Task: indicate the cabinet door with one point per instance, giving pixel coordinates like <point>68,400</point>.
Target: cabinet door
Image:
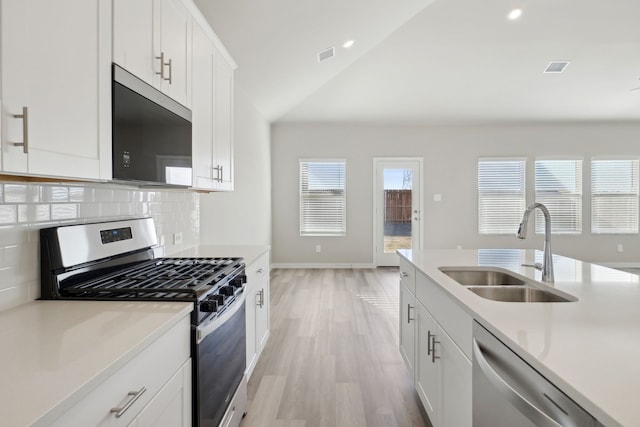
<point>250,316</point>
<point>175,44</point>
<point>171,407</point>
<point>133,39</point>
<point>56,62</point>
<point>407,328</point>
<point>426,363</point>
<point>223,156</point>
<point>454,383</point>
<point>262,311</point>
<point>203,62</point>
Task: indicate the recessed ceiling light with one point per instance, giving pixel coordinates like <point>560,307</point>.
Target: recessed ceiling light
<point>514,14</point>
<point>348,44</point>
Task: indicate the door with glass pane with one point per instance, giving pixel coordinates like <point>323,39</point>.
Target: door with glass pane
<point>397,207</point>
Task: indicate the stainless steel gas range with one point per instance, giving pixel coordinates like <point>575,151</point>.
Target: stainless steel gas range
<point>115,261</point>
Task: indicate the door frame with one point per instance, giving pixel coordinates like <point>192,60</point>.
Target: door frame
<point>377,161</point>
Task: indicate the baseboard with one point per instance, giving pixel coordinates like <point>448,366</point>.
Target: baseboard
<point>321,265</point>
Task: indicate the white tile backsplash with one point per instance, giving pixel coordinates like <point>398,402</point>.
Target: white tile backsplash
<point>26,208</point>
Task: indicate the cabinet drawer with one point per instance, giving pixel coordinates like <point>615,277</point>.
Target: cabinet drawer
<point>453,319</point>
<point>149,370</point>
<point>258,271</point>
<point>408,274</point>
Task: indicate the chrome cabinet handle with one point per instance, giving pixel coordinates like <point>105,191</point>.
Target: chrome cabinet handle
<point>261,297</point>
<point>259,271</point>
<point>429,343</point>
<point>433,348</point>
<point>162,65</point>
<point>221,173</point>
<point>25,130</point>
<point>409,318</point>
<point>218,169</point>
<point>135,395</point>
<point>403,274</point>
<point>170,71</point>
<point>527,408</point>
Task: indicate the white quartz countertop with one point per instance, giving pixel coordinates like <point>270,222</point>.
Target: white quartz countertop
<point>55,352</point>
<point>589,348</point>
<point>249,253</point>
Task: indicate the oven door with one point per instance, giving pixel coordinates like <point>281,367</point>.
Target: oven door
<point>220,359</point>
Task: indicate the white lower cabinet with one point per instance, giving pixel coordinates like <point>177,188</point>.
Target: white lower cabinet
<point>443,374</point>
<point>257,310</point>
<point>432,347</point>
<point>426,369</point>
<point>152,389</point>
<point>407,327</point>
<point>171,407</point>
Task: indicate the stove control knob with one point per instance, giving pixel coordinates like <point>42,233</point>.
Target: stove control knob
<point>238,281</point>
<point>227,290</point>
<point>219,299</point>
<point>209,306</point>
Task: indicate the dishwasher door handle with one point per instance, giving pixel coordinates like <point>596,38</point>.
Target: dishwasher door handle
<point>528,409</point>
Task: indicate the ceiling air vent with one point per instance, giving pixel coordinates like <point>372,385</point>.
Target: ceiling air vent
<point>326,54</point>
<point>556,66</point>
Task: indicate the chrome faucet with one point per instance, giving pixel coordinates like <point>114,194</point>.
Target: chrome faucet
<point>547,264</point>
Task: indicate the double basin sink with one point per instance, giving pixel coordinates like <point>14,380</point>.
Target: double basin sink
<point>500,285</point>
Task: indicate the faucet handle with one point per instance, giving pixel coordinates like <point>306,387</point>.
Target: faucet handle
<point>537,265</point>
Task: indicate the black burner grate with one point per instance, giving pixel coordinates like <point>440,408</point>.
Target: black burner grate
<point>160,278</point>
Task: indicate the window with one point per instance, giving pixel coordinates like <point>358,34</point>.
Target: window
<point>322,198</point>
<point>614,196</point>
<point>559,188</point>
<point>501,195</point>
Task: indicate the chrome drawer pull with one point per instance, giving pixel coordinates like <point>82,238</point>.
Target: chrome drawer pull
<point>433,349</point>
<point>25,130</point>
<point>403,274</point>
<point>135,395</point>
<point>409,318</point>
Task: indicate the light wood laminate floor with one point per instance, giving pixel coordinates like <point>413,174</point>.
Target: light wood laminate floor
<point>332,358</point>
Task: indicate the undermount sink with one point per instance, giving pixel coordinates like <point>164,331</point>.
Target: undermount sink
<point>500,285</point>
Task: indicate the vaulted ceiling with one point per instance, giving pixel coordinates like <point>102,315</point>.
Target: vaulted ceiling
<point>434,61</point>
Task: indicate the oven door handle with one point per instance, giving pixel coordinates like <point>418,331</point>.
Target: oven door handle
<point>202,332</point>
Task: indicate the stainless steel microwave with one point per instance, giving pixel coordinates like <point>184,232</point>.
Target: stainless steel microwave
<point>151,134</point>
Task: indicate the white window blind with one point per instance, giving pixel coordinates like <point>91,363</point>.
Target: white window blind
<point>614,196</point>
<point>322,198</point>
<point>559,188</point>
<point>501,195</point>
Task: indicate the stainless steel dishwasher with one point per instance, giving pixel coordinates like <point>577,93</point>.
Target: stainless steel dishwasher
<point>508,392</point>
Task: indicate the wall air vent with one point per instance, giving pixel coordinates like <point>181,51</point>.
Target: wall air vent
<point>326,54</point>
<point>556,66</point>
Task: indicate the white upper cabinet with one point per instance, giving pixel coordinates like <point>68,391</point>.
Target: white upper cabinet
<point>223,154</point>
<point>56,92</point>
<point>152,40</point>
<point>203,62</point>
<point>212,108</point>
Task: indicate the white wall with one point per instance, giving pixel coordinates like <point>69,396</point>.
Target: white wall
<point>450,168</point>
<point>243,217</point>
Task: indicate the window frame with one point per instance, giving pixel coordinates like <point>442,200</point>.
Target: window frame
<point>485,227</point>
<point>578,195</point>
<point>305,196</point>
<point>602,194</point>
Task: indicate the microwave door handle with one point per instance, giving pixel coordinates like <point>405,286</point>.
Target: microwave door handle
<point>528,409</point>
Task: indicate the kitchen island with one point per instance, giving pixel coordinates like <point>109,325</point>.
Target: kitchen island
<point>588,348</point>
